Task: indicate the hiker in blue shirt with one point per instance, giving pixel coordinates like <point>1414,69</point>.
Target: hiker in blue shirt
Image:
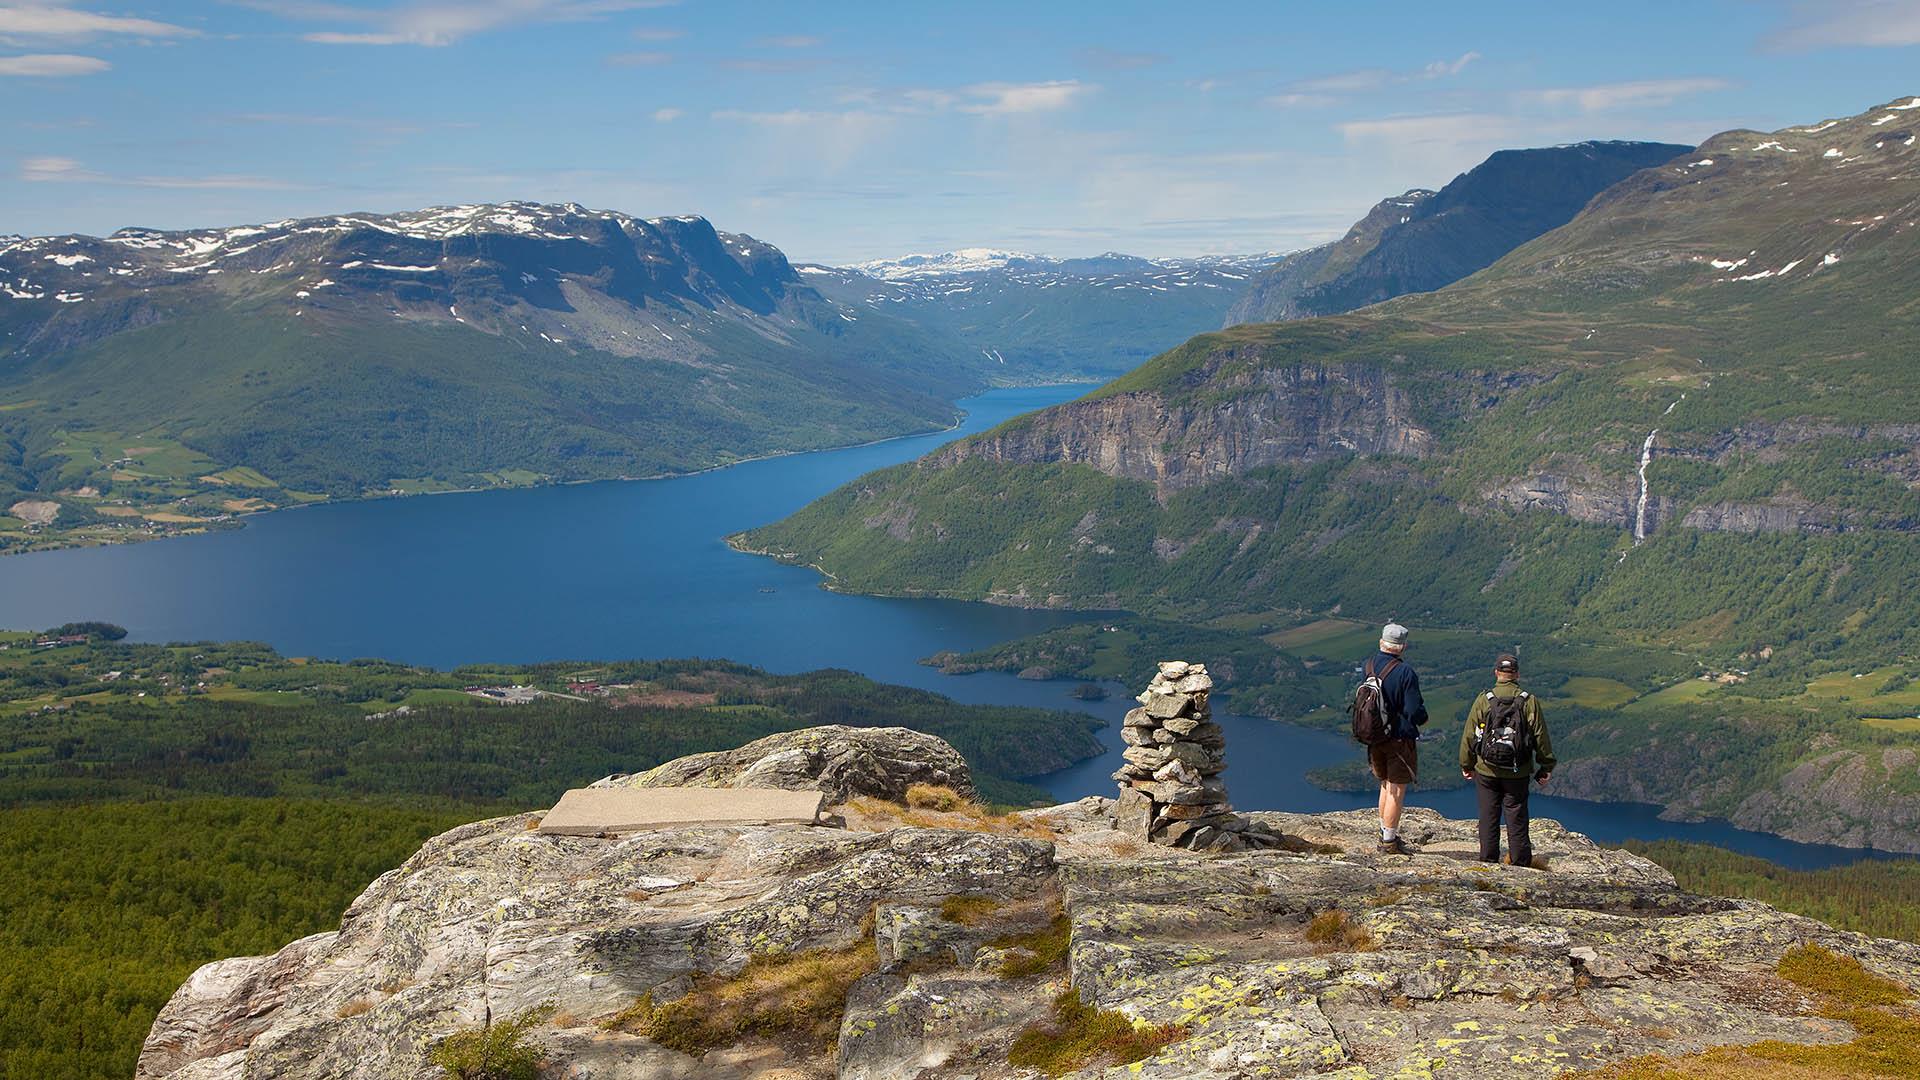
<point>1396,762</point>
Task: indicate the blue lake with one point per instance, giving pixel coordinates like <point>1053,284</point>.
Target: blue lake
<point>640,569</point>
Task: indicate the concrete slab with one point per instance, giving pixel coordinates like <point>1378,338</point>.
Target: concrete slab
<point>592,811</point>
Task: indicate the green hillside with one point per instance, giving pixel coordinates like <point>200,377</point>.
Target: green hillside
<point>337,358</point>
<point>1471,458</point>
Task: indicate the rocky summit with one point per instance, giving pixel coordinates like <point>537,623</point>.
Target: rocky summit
<point>956,930</point>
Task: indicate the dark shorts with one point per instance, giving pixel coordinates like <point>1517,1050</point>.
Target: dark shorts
<point>1396,761</point>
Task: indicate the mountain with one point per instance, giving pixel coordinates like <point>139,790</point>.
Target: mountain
<point>1683,421</point>
<point>1037,318</point>
<point>938,944</point>
<point>1425,240</point>
<point>458,346</point>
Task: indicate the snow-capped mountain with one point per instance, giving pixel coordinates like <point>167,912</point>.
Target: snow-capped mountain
<point>1088,317</point>
<point>351,352</point>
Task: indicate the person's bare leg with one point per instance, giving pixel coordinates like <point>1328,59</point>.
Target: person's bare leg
<point>1393,799</point>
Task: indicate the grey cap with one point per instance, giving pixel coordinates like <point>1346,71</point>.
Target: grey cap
<point>1394,636</point>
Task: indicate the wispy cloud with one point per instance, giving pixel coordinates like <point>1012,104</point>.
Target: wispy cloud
<point>791,41</point>
<point>1299,100</point>
<point>1872,23</point>
<point>1004,99</point>
<point>52,65</point>
<point>980,99</point>
<point>1446,129</point>
<point>1642,93</point>
<point>830,139</point>
<point>667,115</point>
<point>437,23</point>
<point>64,170</point>
<point>653,33</point>
<point>62,21</point>
<point>1326,89</point>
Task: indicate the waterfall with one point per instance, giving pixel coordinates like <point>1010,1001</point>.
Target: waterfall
<point>1640,513</point>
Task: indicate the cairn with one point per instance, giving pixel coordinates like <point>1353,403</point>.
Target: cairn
<point>1170,787</point>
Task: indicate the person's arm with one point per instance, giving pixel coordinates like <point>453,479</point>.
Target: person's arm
<point>1466,736</point>
<point>1543,759</point>
<point>1416,706</point>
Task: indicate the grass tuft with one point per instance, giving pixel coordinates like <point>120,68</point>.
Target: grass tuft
<point>969,816</point>
<point>969,909</point>
<point>1081,1035</point>
<point>1841,978</point>
<point>801,995</point>
<point>1886,1039</point>
<point>1037,952</point>
<point>1335,930</point>
<point>934,797</point>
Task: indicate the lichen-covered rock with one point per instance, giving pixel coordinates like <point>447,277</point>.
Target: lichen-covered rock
<point>492,919</point>
<point>1329,959</point>
<point>841,761</point>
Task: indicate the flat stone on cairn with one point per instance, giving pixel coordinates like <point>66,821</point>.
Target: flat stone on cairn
<point>1170,787</point>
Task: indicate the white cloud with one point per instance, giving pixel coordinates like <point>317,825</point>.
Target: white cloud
<point>1442,68</point>
<point>980,99</point>
<point>1444,130</point>
<point>1625,95</point>
<point>1002,99</point>
<point>436,23</point>
<point>667,115</point>
<point>791,41</point>
<point>1873,23</point>
<point>59,20</point>
<point>65,170</point>
<point>647,33</point>
<point>52,65</point>
<point>1363,80</point>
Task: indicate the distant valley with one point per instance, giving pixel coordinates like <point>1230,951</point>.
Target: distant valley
<point>152,382</point>
<point>1037,317</point>
<point>1681,421</point>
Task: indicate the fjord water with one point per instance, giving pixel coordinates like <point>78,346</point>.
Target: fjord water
<point>640,569</point>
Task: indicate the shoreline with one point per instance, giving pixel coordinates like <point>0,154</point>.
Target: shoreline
<point>238,520</point>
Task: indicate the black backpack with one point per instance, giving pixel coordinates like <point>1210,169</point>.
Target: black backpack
<point>1504,739</point>
<point>1372,721</point>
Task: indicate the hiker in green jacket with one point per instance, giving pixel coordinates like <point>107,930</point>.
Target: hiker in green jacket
<point>1505,744</point>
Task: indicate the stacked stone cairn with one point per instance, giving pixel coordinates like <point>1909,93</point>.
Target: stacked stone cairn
<point>1170,787</point>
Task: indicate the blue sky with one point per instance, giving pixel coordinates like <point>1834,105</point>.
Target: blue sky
<point>848,131</point>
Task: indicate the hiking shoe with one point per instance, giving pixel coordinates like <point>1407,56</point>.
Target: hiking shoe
<point>1394,846</point>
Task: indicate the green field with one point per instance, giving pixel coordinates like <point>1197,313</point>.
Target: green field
<point>1595,692</point>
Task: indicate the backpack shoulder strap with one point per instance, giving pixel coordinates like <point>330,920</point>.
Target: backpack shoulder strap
<point>1392,662</point>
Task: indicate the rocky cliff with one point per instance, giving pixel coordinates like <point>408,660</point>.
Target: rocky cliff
<point>1327,959</point>
<point>1253,415</point>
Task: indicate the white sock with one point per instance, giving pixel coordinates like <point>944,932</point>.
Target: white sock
<point>1389,835</point>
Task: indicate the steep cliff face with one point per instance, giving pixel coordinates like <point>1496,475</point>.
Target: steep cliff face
<point>1254,414</point>
<point>1488,971</point>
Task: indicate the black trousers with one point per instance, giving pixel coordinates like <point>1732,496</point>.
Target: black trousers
<point>1508,799</point>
